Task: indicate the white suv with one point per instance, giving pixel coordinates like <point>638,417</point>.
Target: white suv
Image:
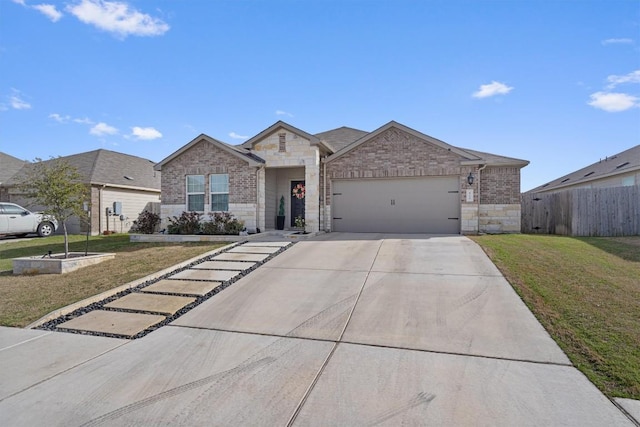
<point>18,221</point>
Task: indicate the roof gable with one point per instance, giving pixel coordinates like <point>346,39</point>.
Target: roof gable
<point>466,156</point>
<point>240,153</point>
<point>313,140</point>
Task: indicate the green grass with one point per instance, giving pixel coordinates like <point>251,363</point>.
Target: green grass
<point>586,293</point>
<point>25,299</point>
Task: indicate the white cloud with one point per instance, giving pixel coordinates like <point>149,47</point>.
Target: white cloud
<point>84,121</point>
<point>103,129</point>
<point>58,118</point>
<point>617,41</point>
<point>283,113</point>
<point>17,103</point>
<point>118,18</point>
<point>613,102</point>
<point>145,133</point>
<point>19,2</point>
<point>633,77</point>
<point>49,11</point>
<point>492,89</point>
<point>236,136</point>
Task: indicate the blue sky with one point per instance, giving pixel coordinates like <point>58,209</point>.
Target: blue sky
<point>553,82</point>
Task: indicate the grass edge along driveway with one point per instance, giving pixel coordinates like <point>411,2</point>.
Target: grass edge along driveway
<point>25,299</point>
<point>586,293</point>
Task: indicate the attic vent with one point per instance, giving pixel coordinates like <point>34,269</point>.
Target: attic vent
<point>564,180</point>
<point>282,142</point>
<point>128,178</point>
<point>546,185</point>
<point>621,165</point>
<point>589,174</point>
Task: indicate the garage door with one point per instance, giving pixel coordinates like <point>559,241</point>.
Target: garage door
<point>402,205</point>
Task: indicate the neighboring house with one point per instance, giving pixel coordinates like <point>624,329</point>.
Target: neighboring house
<point>9,166</point>
<point>111,177</point>
<point>619,170</point>
<point>393,179</point>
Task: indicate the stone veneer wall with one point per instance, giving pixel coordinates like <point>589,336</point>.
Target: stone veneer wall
<point>298,153</point>
<point>205,158</point>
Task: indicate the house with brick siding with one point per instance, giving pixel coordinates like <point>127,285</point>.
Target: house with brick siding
<point>392,180</point>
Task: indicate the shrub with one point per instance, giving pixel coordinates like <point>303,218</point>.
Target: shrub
<point>222,223</point>
<point>186,223</point>
<point>147,223</point>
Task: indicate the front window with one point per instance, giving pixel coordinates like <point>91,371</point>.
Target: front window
<point>219,185</point>
<point>195,193</point>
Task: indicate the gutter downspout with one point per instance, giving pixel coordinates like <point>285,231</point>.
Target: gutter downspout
<point>479,170</point>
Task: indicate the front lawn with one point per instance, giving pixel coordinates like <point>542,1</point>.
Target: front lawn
<point>25,299</point>
<point>586,293</point>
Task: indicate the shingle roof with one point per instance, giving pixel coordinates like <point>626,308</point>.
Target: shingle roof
<point>341,137</point>
<point>626,161</point>
<point>495,160</point>
<point>112,168</point>
<point>9,166</point>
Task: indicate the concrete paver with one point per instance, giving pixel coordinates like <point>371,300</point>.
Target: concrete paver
<point>230,256</point>
<point>113,322</point>
<point>473,315</point>
<point>244,249</point>
<point>177,376</point>
<point>365,385</point>
<point>41,355</point>
<point>301,303</point>
<point>213,275</point>
<point>188,287</point>
<point>275,243</point>
<point>224,265</point>
<point>164,304</point>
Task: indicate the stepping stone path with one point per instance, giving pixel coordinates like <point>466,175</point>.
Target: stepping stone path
<point>133,314</point>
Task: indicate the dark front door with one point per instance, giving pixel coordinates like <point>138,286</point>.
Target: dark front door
<point>297,201</point>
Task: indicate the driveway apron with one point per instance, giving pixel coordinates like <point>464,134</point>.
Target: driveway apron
<point>343,329</point>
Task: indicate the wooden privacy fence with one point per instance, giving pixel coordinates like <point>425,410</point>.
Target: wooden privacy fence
<point>611,211</point>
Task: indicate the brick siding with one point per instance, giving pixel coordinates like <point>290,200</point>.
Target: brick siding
<point>393,153</point>
<point>205,159</point>
<point>500,185</point>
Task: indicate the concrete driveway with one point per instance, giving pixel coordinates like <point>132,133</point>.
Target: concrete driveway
<point>345,329</point>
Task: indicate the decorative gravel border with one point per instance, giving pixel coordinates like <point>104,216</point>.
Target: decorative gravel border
<point>52,325</point>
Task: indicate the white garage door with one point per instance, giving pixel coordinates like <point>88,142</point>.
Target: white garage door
<point>399,205</point>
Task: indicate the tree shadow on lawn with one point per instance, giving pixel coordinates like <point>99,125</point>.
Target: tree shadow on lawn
<point>627,248</point>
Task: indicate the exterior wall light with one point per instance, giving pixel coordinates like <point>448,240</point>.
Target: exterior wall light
<point>470,178</point>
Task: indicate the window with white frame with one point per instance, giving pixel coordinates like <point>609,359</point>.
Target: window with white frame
<point>219,187</point>
<point>195,193</point>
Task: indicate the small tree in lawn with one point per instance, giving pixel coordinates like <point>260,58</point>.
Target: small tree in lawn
<point>57,186</point>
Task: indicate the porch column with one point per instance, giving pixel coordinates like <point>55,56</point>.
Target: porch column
<point>312,197</point>
<point>260,206</point>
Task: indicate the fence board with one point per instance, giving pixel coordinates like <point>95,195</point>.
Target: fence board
<point>613,211</point>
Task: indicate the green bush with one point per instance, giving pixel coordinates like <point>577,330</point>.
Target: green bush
<point>147,223</point>
<point>218,223</point>
<point>222,223</point>
<point>186,223</point>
